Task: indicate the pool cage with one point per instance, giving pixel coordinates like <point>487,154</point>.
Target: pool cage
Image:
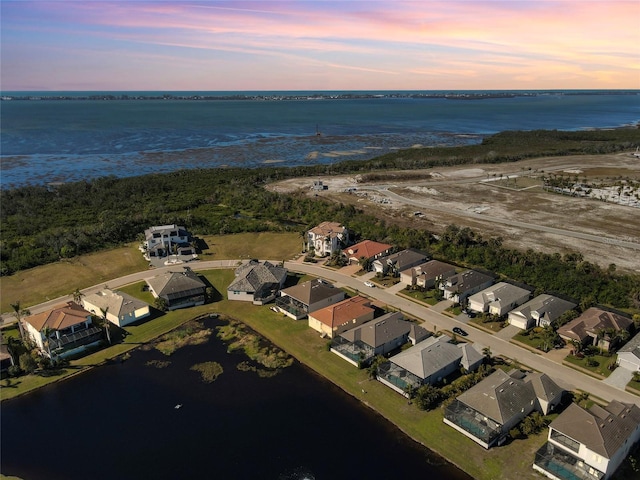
<point>398,377</point>
<point>473,422</point>
<point>358,352</point>
<point>561,464</point>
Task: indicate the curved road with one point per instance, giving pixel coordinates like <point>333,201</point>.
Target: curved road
<point>565,376</point>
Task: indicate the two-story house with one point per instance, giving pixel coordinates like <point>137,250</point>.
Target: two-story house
<point>460,286</point>
<point>326,238</point>
<point>498,299</point>
<point>539,312</point>
<point>589,444</point>
<point>159,241</point>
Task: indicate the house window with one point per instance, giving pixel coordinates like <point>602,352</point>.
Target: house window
<point>562,439</point>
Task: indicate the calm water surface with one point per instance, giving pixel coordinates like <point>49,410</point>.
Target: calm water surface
<point>119,422</point>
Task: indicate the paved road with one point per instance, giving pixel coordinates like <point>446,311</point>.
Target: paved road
<point>431,318</point>
<point>425,205</point>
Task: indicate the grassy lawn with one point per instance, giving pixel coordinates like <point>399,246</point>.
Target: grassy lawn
<point>39,284</point>
<point>599,370</point>
<point>427,296</point>
<point>491,326</point>
<point>510,461</point>
<point>385,281</point>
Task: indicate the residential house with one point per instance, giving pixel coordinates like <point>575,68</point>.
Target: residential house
<point>498,299</point>
<point>541,311</point>
<point>487,411</point>
<point>362,344</point>
<point>426,274</point>
<point>257,282</point>
<point>460,286</point>
<point>595,327</point>
<point>298,301</point>
<point>629,354</point>
<point>121,309</point>
<point>335,319</point>
<point>63,330</point>
<point>326,238</point>
<point>368,250</point>
<point>178,289</point>
<point>397,262</point>
<point>589,444</point>
<point>159,241</point>
<point>428,362</point>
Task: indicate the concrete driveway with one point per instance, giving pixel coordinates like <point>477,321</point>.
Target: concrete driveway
<point>619,378</point>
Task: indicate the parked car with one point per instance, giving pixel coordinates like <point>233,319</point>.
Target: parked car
<point>369,284</point>
<point>460,331</point>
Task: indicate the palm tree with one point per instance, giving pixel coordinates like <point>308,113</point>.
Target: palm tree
<point>106,322</point>
<point>18,313</point>
<point>46,333</point>
<point>77,296</point>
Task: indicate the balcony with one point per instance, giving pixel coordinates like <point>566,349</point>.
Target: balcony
<point>75,340</point>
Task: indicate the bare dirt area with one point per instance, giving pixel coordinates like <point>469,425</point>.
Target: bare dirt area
<point>505,200</point>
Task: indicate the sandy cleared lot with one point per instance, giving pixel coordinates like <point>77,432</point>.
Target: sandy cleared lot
<point>505,200</point>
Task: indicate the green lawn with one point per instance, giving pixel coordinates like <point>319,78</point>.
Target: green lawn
<point>427,296</point>
<point>510,461</point>
<point>599,370</point>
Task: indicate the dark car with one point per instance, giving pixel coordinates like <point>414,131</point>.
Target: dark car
<point>460,331</point>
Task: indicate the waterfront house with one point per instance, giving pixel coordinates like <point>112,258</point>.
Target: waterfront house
<point>629,354</point>
<point>162,240</point>
<point>179,289</point>
<point>428,362</point>
<point>335,319</point>
<point>397,262</point>
<point>326,237</point>
<point>498,299</point>
<point>540,311</point>
<point>596,327</point>
<point>121,309</point>
<point>487,411</point>
<point>257,282</point>
<point>298,301</point>
<point>380,336</point>
<point>368,250</point>
<point>63,330</point>
<point>426,274</point>
<point>589,444</point>
<point>459,287</point>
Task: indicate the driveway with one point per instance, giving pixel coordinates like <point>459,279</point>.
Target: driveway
<point>619,378</point>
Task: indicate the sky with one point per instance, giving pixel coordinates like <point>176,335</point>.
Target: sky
<point>69,45</point>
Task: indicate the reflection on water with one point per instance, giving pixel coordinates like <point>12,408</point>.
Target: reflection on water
<point>120,421</point>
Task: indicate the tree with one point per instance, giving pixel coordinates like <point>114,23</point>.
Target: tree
<point>427,397</point>
<point>106,323</point>
<point>19,313</point>
<point>46,343</point>
<point>77,296</point>
<point>27,363</point>
<point>161,304</point>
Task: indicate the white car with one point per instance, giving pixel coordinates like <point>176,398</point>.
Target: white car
<point>369,284</point>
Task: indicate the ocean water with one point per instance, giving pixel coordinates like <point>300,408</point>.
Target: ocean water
<point>51,140</point>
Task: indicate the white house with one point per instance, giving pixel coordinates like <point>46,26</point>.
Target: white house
<point>159,240</point>
<point>257,282</point>
<point>540,311</point>
<point>122,309</point>
<point>589,443</point>
<point>459,286</point>
<point>498,299</point>
<point>327,237</point>
<point>629,354</point>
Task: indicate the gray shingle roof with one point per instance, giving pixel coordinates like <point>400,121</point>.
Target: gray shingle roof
<point>311,292</point>
<point>379,331</point>
<point>428,356</point>
<point>602,430</point>
<point>632,346</point>
<point>252,276</point>
<point>465,281</point>
<point>548,307</point>
<point>118,303</point>
<point>173,284</point>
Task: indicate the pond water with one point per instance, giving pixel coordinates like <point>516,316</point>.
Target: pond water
<point>120,421</point>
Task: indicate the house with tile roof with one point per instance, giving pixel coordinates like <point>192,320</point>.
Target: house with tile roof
<point>380,336</point>
<point>298,301</point>
<point>397,262</point>
<point>367,249</point>
<point>539,312</point>
<point>333,320</point>
<point>62,331</point>
<point>498,299</point>
<point>595,327</point>
<point>326,237</point>
<point>179,289</point>
<point>122,309</point>
<point>428,362</point>
<point>589,444</point>
<point>426,274</point>
<point>629,354</point>
<point>459,287</point>
<point>257,282</point>
<point>487,411</point>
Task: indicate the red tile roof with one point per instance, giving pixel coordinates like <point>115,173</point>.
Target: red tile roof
<point>367,249</point>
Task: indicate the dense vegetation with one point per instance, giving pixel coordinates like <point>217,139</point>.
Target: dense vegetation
<point>41,224</point>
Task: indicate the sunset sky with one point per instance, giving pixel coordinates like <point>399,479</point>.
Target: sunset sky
<point>320,45</point>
